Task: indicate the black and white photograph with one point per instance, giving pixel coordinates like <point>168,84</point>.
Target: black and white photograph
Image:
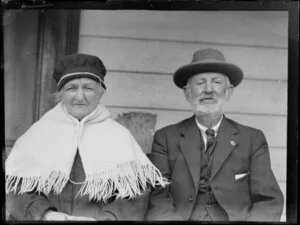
<point>147,115</point>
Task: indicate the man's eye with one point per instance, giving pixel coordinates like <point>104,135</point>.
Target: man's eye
<point>200,83</point>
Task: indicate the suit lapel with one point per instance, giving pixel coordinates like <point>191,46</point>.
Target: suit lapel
<point>227,140</point>
<point>190,146</point>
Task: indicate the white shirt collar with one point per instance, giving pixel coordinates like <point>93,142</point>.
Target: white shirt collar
<point>203,129</point>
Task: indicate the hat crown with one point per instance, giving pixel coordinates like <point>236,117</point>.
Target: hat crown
<point>84,59</point>
<point>208,54</point>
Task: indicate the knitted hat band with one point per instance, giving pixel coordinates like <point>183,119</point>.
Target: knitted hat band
<point>87,74</point>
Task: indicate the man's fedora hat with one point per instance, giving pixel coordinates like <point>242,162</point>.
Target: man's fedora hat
<point>208,60</point>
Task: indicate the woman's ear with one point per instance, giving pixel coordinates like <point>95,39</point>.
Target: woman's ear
<point>101,91</point>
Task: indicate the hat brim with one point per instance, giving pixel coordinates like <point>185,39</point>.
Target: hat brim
<point>233,72</point>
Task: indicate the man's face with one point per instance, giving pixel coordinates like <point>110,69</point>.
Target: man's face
<point>81,96</point>
<point>208,92</point>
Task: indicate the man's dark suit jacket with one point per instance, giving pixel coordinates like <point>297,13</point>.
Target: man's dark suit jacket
<point>239,150</point>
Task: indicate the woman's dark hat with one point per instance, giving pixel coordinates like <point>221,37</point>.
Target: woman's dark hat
<point>208,60</point>
<point>78,66</point>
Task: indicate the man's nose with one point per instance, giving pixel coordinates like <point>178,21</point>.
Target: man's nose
<point>208,87</point>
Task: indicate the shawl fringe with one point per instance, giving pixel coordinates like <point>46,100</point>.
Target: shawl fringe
<point>55,181</point>
<point>128,180</point>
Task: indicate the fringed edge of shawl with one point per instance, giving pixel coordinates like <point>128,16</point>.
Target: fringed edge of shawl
<point>55,181</point>
<point>128,180</point>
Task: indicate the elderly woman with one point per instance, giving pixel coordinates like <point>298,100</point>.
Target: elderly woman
<point>76,162</point>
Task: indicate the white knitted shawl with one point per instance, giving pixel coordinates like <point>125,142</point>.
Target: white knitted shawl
<point>42,157</point>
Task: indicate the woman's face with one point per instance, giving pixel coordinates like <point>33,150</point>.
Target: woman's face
<point>81,96</point>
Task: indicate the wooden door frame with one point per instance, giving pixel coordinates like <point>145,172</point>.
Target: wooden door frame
<point>58,35</point>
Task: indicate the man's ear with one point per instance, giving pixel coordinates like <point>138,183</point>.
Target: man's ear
<point>187,93</point>
<point>229,92</point>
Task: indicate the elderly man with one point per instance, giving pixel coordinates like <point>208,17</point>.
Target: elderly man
<point>76,162</point>
<point>219,169</point>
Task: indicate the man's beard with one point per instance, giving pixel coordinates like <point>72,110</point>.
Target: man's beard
<point>208,109</point>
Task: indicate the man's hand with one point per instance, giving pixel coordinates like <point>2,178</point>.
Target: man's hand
<point>59,216</point>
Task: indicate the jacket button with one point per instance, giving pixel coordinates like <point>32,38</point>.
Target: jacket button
<point>191,198</point>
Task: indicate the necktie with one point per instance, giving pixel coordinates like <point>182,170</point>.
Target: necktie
<point>210,141</point>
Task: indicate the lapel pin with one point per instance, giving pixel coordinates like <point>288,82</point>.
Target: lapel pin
<point>233,143</point>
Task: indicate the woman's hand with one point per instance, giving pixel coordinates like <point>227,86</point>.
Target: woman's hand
<point>59,216</point>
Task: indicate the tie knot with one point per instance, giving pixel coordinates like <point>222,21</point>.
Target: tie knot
<point>210,132</point>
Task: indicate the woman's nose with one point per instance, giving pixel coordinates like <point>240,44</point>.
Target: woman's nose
<point>79,94</point>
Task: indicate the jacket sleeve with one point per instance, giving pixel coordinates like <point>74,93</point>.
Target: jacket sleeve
<point>161,204</point>
<point>266,196</point>
<point>27,206</point>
